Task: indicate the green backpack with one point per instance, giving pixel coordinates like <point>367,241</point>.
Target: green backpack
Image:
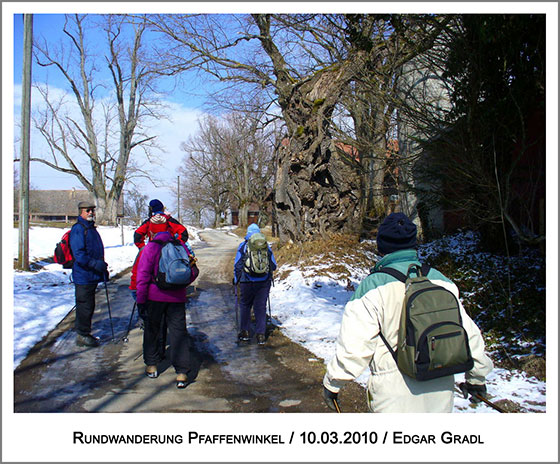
<point>256,255</point>
<point>432,341</point>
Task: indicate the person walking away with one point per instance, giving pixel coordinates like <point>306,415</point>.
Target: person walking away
<point>156,303</point>
<point>158,221</point>
<point>375,310</point>
<point>253,270</point>
<point>88,270</point>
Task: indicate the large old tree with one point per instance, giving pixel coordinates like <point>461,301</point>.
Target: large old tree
<point>309,62</point>
<point>100,119</point>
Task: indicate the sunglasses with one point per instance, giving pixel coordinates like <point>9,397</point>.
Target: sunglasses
<point>89,210</point>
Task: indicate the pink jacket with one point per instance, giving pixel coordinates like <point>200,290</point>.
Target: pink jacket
<point>146,289</point>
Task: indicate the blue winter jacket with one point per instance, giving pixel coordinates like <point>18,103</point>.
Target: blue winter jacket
<point>239,275</point>
<point>87,249</point>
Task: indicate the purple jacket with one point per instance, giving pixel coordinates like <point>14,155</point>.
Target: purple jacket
<point>146,289</point>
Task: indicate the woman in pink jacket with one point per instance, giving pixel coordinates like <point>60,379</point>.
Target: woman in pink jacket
<point>156,303</point>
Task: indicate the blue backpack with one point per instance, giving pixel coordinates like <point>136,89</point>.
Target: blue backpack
<point>175,266</point>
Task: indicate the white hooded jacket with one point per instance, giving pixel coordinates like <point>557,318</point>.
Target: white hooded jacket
<point>376,305</point>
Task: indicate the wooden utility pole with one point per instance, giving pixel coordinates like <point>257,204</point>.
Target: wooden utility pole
<point>23,245</point>
<point>178,199</point>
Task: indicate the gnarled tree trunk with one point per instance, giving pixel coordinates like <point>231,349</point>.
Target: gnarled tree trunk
<point>317,189</point>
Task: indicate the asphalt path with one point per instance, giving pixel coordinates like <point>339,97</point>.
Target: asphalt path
<point>58,376</point>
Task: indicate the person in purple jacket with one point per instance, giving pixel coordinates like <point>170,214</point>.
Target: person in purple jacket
<point>156,303</point>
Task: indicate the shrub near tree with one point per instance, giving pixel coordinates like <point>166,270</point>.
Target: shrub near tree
<point>488,155</point>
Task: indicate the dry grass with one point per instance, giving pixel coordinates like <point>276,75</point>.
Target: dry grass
<point>335,255</point>
<point>267,231</point>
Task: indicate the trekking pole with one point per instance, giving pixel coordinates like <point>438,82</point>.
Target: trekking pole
<point>269,311</point>
<point>236,309</point>
<point>109,307</point>
<point>125,338</point>
<point>484,400</point>
<point>268,298</point>
<point>335,402</point>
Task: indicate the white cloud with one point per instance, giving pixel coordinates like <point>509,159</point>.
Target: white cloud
<point>180,122</point>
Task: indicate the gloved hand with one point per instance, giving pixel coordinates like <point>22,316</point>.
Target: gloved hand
<point>330,398</point>
<point>142,312</point>
<point>472,389</point>
<point>100,266</point>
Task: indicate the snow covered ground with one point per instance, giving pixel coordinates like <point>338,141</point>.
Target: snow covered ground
<point>308,308</point>
<point>42,299</point>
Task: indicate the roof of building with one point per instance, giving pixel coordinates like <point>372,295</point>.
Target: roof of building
<point>58,202</point>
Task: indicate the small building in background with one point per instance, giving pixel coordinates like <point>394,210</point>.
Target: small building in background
<point>252,215</point>
<point>57,205</point>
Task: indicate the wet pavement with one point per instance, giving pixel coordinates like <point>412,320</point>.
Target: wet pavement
<point>58,376</point>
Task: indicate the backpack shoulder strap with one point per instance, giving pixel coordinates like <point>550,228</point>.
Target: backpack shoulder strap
<point>388,346</point>
<point>401,277</point>
<point>392,272</point>
<point>85,230</point>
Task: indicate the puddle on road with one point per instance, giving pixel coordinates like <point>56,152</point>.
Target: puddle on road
<point>211,315</point>
<point>211,320</point>
<point>63,373</point>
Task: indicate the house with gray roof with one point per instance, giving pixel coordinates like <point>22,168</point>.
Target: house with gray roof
<point>57,205</point>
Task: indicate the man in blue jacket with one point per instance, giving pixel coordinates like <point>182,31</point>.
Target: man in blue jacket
<point>255,285</point>
<point>88,270</point>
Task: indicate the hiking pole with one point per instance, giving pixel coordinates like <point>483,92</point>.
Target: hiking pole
<point>125,338</point>
<point>335,402</point>
<point>481,398</point>
<point>109,307</point>
<point>236,309</point>
<point>269,323</point>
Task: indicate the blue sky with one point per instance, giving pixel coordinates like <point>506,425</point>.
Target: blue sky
<point>184,108</point>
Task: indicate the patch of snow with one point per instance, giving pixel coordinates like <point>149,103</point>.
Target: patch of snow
<point>309,307</point>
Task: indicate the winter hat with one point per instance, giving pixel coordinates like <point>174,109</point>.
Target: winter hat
<point>86,204</point>
<point>397,232</point>
<point>156,206</point>
<point>252,229</point>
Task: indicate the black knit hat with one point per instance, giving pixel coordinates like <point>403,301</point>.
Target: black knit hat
<point>156,206</point>
<point>397,232</point>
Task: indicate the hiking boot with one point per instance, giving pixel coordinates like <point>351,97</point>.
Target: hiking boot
<point>261,339</point>
<point>181,380</point>
<point>151,372</point>
<point>87,340</point>
<point>243,336</point>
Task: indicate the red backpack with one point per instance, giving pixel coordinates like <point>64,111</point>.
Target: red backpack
<point>63,253</point>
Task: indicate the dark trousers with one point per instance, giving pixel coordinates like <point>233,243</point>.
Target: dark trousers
<point>253,294</point>
<point>85,305</point>
<point>162,336</point>
<point>156,311</point>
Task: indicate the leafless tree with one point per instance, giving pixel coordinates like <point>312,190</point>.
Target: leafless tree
<point>98,121</point>
<point>232,161</point>
<point>307,62</point>
<point>205,170</point>
<point>135,205</point>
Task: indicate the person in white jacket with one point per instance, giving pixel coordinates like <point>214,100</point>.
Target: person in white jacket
<point>376,306</point>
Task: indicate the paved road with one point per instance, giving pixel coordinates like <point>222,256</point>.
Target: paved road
<point>58,376</point>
